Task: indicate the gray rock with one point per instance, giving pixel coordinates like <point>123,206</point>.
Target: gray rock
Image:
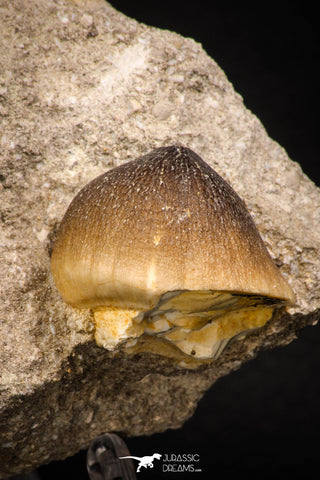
<point>82,89</point>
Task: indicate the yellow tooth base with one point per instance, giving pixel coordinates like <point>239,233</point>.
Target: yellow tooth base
<point>114,325</point>
<point>206,342</point>
<point>192,327</point>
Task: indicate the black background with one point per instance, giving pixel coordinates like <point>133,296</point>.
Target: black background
<point>264,418</point>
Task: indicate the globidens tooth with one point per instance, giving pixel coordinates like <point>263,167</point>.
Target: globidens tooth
<point>168,258</point>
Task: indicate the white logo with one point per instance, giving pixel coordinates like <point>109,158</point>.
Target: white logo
<point>145,461</point>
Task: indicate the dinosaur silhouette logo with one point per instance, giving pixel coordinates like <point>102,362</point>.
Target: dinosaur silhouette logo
<point>145,461</point>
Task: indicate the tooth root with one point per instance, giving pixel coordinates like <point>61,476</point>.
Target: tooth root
<point>210,340</point>
<point>113,325</point>
<point>200,335</point>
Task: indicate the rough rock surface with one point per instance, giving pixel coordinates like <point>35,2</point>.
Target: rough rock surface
<point>82,89</point>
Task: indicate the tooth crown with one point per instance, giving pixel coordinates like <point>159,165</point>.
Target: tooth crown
<point>161,224</point>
